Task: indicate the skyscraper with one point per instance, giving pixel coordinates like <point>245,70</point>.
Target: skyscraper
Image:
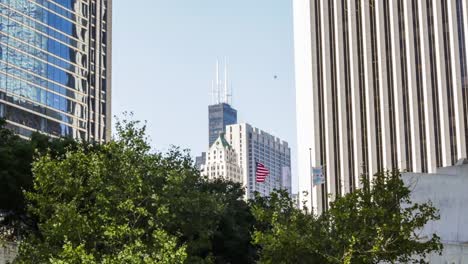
<point>219,116</point>
<point>254,145</point>
<point>55,67</point>
<point>220,113</point>
<point>379,85</point>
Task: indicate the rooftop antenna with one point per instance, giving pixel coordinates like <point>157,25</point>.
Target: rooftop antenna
<point>231,93</point>
<point>226,92</point>
<point>218,92</point>
<point>212,92</point>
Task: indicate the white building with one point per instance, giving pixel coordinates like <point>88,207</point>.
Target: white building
<point>379,85</point>
<point>253,145</point>
<point>447,190</point>
<point>295,198</point>
<point>221,162</point>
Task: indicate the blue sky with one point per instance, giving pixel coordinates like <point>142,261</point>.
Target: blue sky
<point>164,55</point>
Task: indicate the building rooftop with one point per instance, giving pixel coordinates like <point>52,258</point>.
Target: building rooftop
<point>223,141</point>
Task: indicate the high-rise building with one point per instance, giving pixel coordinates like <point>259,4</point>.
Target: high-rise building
<point>380,85</point>
<point>220,113</point>
<point>200,161</point>
<point>253,145</point>
<point>221,162</point>
<point>219,116</point>
<point>55,67</point>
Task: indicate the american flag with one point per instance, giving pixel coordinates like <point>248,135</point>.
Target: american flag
<point>261,172</point>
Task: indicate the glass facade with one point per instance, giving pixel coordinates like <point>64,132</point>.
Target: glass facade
<point>220,116</point>
<point>54,74</point>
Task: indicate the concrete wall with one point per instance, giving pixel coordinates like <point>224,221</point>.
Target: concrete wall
<point>8,252</point>
<point>452,254</point>
<point>447,189</point>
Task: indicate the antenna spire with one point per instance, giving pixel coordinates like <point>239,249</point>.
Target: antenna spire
<point>218,92</point>
<point>221,88</point>
<point>226,92</point>
<point>212,92</point>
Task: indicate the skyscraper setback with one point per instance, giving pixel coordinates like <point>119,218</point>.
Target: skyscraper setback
<point>380,85</point>
<point>55,67</point>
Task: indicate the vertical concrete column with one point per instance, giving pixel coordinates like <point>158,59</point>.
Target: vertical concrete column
<point>456,79</point>
<point>366,5</point>
<point>397,85</point>
<point>386,128</point>
<point>354,82</point>
<point>441,84</point>
<point>427,87</point>
<point>412,86</point>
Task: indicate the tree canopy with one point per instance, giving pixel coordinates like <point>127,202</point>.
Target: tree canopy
<point>371,225</point>
<point>122,202</point>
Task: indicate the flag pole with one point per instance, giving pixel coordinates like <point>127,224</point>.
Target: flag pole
<point>312,180</point>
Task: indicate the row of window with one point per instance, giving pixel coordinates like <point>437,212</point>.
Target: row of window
<point>61,9</point>
<point>38,123</point>
<point>217,167</point>
<point>45,111</point>
<point>19,78</point>
<point>43,41</point>
<point>27,8</point>
<point>43,69</point>
<point>35,94</point>
<point>46,54</point>
<point>29,24</point>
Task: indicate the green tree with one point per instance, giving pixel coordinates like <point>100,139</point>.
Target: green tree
<point>16,157</point>
<point>371,225</point>
<point>284,233</point>
<point>15,169</point>
<point>231,241</point>
<point>100,206</point>
<point>122,203</point>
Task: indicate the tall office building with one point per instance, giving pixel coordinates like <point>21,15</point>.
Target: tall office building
<point>254,145</point>
<point>219,116</point>
<point>220,113</point>
<point>55,67</point>
<point>380,85</point>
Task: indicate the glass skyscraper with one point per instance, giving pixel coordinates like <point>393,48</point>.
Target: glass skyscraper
<point>55,67</point>
<point>219,116</point>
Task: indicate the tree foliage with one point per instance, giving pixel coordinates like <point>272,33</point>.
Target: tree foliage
<point>122,203</point>
<point>16,157</point>
<point>371,225</point>
<point>284,233</point>
<point>15,169</point>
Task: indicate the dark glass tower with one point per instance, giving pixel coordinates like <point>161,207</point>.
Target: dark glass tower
<point>219,116</point>
<point>55,67</point>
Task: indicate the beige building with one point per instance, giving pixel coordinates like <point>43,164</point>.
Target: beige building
<point>379,85</point>
<point>221,162</point>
